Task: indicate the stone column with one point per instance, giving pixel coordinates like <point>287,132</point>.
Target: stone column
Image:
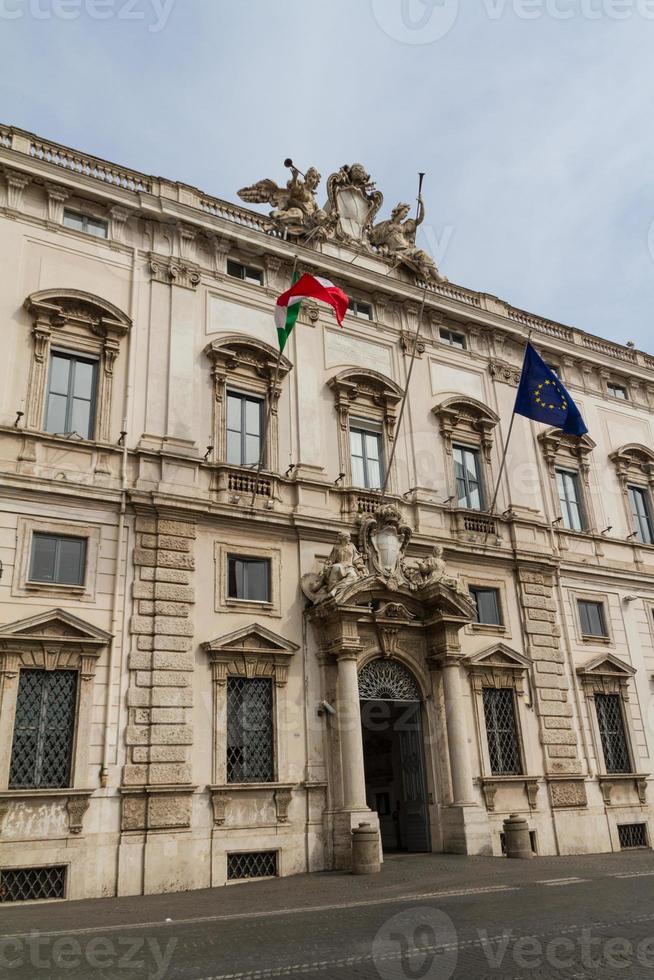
<point>349,724</point>
<point>457,732</point>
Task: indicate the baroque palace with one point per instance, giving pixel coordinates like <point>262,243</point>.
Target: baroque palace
<point>207,676</point>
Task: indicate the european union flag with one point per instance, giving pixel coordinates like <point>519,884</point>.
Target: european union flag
<point>542,397</point>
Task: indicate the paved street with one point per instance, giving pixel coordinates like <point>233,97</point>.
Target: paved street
<point>426,917</point>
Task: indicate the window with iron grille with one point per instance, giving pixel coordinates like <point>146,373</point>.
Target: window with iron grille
<point>502,732</point>
<point>632,835</point>
<point>612,732</point>
<point>57,559</point>
<point>467,468</point>
<point>70,402</point>
<point>250,755</point>
<point>254,864</point>
<point>42,749</point>
<point>32,884</point>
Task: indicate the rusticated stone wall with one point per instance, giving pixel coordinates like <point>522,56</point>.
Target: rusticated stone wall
<point>157,776</point>
<point>553,695</point>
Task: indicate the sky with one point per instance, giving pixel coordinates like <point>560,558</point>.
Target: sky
<point>532,120</point>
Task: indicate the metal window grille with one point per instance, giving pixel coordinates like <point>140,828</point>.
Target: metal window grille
<point>501,731</point>
<point>632,835</point>
<point>255,864</point>
<point>32,884</point>
<point>250,756</point>
<point>43,732</point>
<point>386,680</point>
<point>612,733</point>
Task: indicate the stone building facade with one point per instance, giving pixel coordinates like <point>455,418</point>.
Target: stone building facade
<point>201,681</point>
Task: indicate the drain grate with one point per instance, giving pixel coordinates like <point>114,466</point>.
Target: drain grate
<point>632,835</point>
<point>254,864</point>
<point>32,884</point>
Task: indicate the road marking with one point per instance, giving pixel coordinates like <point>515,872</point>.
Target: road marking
<point>633,874</point>
<point>364,903</point>
<point>561,881</point>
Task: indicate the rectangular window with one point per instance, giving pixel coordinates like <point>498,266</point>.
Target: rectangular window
<point>501,731</point>
<point>250,754</point>
<point>70,403</point>
<point>453,338</point>
<point>569,489</point>
<point>362,310</point>
<point>249,578</point>
<point>86,223</point>
<point>487,602</point>
<point>467,469</point>
<point>57,559</point>
<point>616,390</point>
<point>612,732</point>
<point>367,457</point>
<point>42,749</point>
<point>244,428</point>
<point>245,272</point>
<point>591,617</point>
<point>641,513</point>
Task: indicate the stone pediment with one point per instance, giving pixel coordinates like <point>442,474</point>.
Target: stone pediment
<point>439,598</point>
<point>253,639</point>
<point>606,665</point>
<point>55,625</point>
<point>499,656</point>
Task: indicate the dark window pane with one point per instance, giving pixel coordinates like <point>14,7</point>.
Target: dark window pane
<point>501,729</point>
<point>72,552</point>
<point>249,578</point>
<point>591,615</point>
<point>488,606</point>
<point>44,552</point>
<point>44,728</point>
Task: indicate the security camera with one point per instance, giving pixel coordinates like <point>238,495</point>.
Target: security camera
<point>325,708</point>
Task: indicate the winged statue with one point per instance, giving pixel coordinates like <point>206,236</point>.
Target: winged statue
<point>295,209</point>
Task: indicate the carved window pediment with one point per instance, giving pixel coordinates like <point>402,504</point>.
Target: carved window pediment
<point>52,640</point>
<point>633,462</point>
<point>561,449</point>
<point>244,354</point>
<point>253,651</point>
<point>606,674</point>
<point>498,666</point>
<point>370,392</point>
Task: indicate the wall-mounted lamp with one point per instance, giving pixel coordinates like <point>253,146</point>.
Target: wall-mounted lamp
<point>19,416</point>
<point>292,467</point>
<point>632,535</point>
<point>630,598</point>
<point>449,500</point>
<point>121,441</point>
<point>339,479</point>
<point>557,520</point>
<point>208,453</point>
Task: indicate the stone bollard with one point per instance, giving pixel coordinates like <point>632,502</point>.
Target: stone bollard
<point>365,850</point>
<point>517,840</point>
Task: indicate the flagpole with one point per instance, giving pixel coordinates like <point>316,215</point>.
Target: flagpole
<point>271,398</point>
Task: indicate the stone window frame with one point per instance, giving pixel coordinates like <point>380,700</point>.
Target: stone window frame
<point>21,585</point>
<point>468,422</point>
<point>608,674</point>
<point>499,666</point>
<point>504,630</point>
<point>634,466</point>
<point>80,323</point>
<point>246,364</point>
<point>54,640</point>
<point>564,452</point>
<point>254,652</point>
<point>223,601</point>
<point>368,396</point>
<point>599,597</point>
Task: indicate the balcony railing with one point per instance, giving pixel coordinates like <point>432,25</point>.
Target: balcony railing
<point>89,167</point>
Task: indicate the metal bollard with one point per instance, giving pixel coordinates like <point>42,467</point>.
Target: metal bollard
<point>516,836</point>
<point>365,850</point>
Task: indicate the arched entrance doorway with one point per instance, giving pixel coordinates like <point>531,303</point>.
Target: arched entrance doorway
<point>393,751</point>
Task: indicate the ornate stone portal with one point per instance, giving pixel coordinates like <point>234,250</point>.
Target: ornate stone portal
<point>347,217</point>
<point>372,597</point>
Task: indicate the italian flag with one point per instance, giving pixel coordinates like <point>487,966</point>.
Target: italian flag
<point>306,287</point>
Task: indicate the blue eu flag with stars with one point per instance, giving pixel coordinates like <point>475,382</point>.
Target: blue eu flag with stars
<point>542,397</point>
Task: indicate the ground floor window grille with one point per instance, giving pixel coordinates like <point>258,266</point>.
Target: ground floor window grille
<point>501,731</point>
<point>254,864</point>
<point>44,729</point>
<point>632,835</point>
<point>612,733</point>
<point>32,884</point>
<point>250,756</point>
